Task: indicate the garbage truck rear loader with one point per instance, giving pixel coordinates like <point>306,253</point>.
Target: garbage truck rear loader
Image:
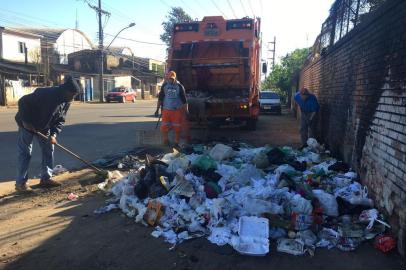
<point>217,61</point>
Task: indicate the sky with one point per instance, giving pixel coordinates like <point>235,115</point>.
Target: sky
<point>294,23</point>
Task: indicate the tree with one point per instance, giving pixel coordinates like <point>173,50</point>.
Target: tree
<point>282,76</point>
<point>176,15</point>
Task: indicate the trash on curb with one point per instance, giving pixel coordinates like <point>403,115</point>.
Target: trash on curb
<point>58,169</point>
<point>73,197</point>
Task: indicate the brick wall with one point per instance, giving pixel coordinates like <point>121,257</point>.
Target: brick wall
<point>361,85</point>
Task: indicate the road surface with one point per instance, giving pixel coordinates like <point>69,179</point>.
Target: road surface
<point>97,130</point>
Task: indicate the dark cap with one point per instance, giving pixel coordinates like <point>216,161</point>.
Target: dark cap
<point>71,85</point>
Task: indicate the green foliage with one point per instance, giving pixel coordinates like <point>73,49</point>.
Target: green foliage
<point>281,78</point>
<point>175,15</point>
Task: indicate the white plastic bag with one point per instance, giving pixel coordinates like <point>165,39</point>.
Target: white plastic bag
<point>312,142</point>
<point>59,169</point>
<point>307,236</point>
<point>261,160</point>
<point>257,207</point>
<point>300,205</point>
<point>177,163</point>
<point>220,152</point>
<point>328,202</point>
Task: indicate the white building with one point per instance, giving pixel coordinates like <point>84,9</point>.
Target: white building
<point>19,46</point>
<point>61,42</point>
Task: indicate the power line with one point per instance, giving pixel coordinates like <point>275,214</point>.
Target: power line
<point>231,7</point>
<point>191,9</point>
<point>139,41</point>
<point>28,16</point>
<point>262,7</point>
<point>243,8</point>
<point>166,4</point>
<point>214,3</point>
<point>253,13</point>
<point>201,6</point>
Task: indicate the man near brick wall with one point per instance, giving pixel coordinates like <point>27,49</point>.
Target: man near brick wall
<point>308,108</point>
<point>43,111</point>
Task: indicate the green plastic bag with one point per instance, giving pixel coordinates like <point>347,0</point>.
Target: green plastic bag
<point>205,163</point>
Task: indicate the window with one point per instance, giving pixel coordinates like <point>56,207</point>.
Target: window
<point>21,47</point>
<point>268,95</point>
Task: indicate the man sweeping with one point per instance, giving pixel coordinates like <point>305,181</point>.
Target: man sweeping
<point>43,111</point>
<point>173,103</point>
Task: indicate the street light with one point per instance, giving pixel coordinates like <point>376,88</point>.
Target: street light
<point>102,61</point>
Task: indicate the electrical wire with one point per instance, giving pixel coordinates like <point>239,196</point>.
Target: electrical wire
<point>214,3</point>
<point>138,41</point>
<point>253,13</point>
<point>232,9</point>
<point>243,8</point>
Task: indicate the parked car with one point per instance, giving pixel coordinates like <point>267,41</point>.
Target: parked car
<point>121,94</point>
<point>270,102</point>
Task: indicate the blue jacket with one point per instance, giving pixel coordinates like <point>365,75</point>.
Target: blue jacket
<point>45,109</point>
<point>309,105</point>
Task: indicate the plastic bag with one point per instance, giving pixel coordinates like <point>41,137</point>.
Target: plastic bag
<point>205,163</point>
<point>246,173</point>
<point>220,152</point>
<point>328,202</point>
<point>257,207</point>
<point>355,194</point>
<point>328,238</point>
<point>307,237</point>
<point>261,160</point>
<point>371,216</point>
<point>59,169</point>
<point>300,205</point>
<point>312,143</point>
<point>168,157</point>
<point>177,163</point>
<point>291,246</point>
<point>385,243</point>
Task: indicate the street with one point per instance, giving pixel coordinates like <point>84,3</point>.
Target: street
<point>97,130</point>
<point>91,130</point>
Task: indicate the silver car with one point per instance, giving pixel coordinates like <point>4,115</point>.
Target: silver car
<point>270,102</point>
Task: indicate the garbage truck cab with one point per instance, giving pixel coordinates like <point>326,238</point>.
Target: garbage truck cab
<point>217,61</point>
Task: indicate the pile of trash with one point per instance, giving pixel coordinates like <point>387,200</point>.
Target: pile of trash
<point>245,197</point>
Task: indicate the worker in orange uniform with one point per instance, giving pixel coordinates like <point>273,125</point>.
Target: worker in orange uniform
<point>173,103</point>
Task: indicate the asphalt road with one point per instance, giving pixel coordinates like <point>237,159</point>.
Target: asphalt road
<point>96,130</point>
<point>91,130</point>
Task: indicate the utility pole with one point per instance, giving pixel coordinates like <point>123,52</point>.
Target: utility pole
<point>100,13</point>
<point>101,81</point>
<point>273,52</point>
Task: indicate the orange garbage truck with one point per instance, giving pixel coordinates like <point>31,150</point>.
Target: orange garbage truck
<point>217,61</point>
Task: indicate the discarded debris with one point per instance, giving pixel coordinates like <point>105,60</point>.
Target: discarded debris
<point>73,197</point>
<point>59,169</point>
<point>243,196</point>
